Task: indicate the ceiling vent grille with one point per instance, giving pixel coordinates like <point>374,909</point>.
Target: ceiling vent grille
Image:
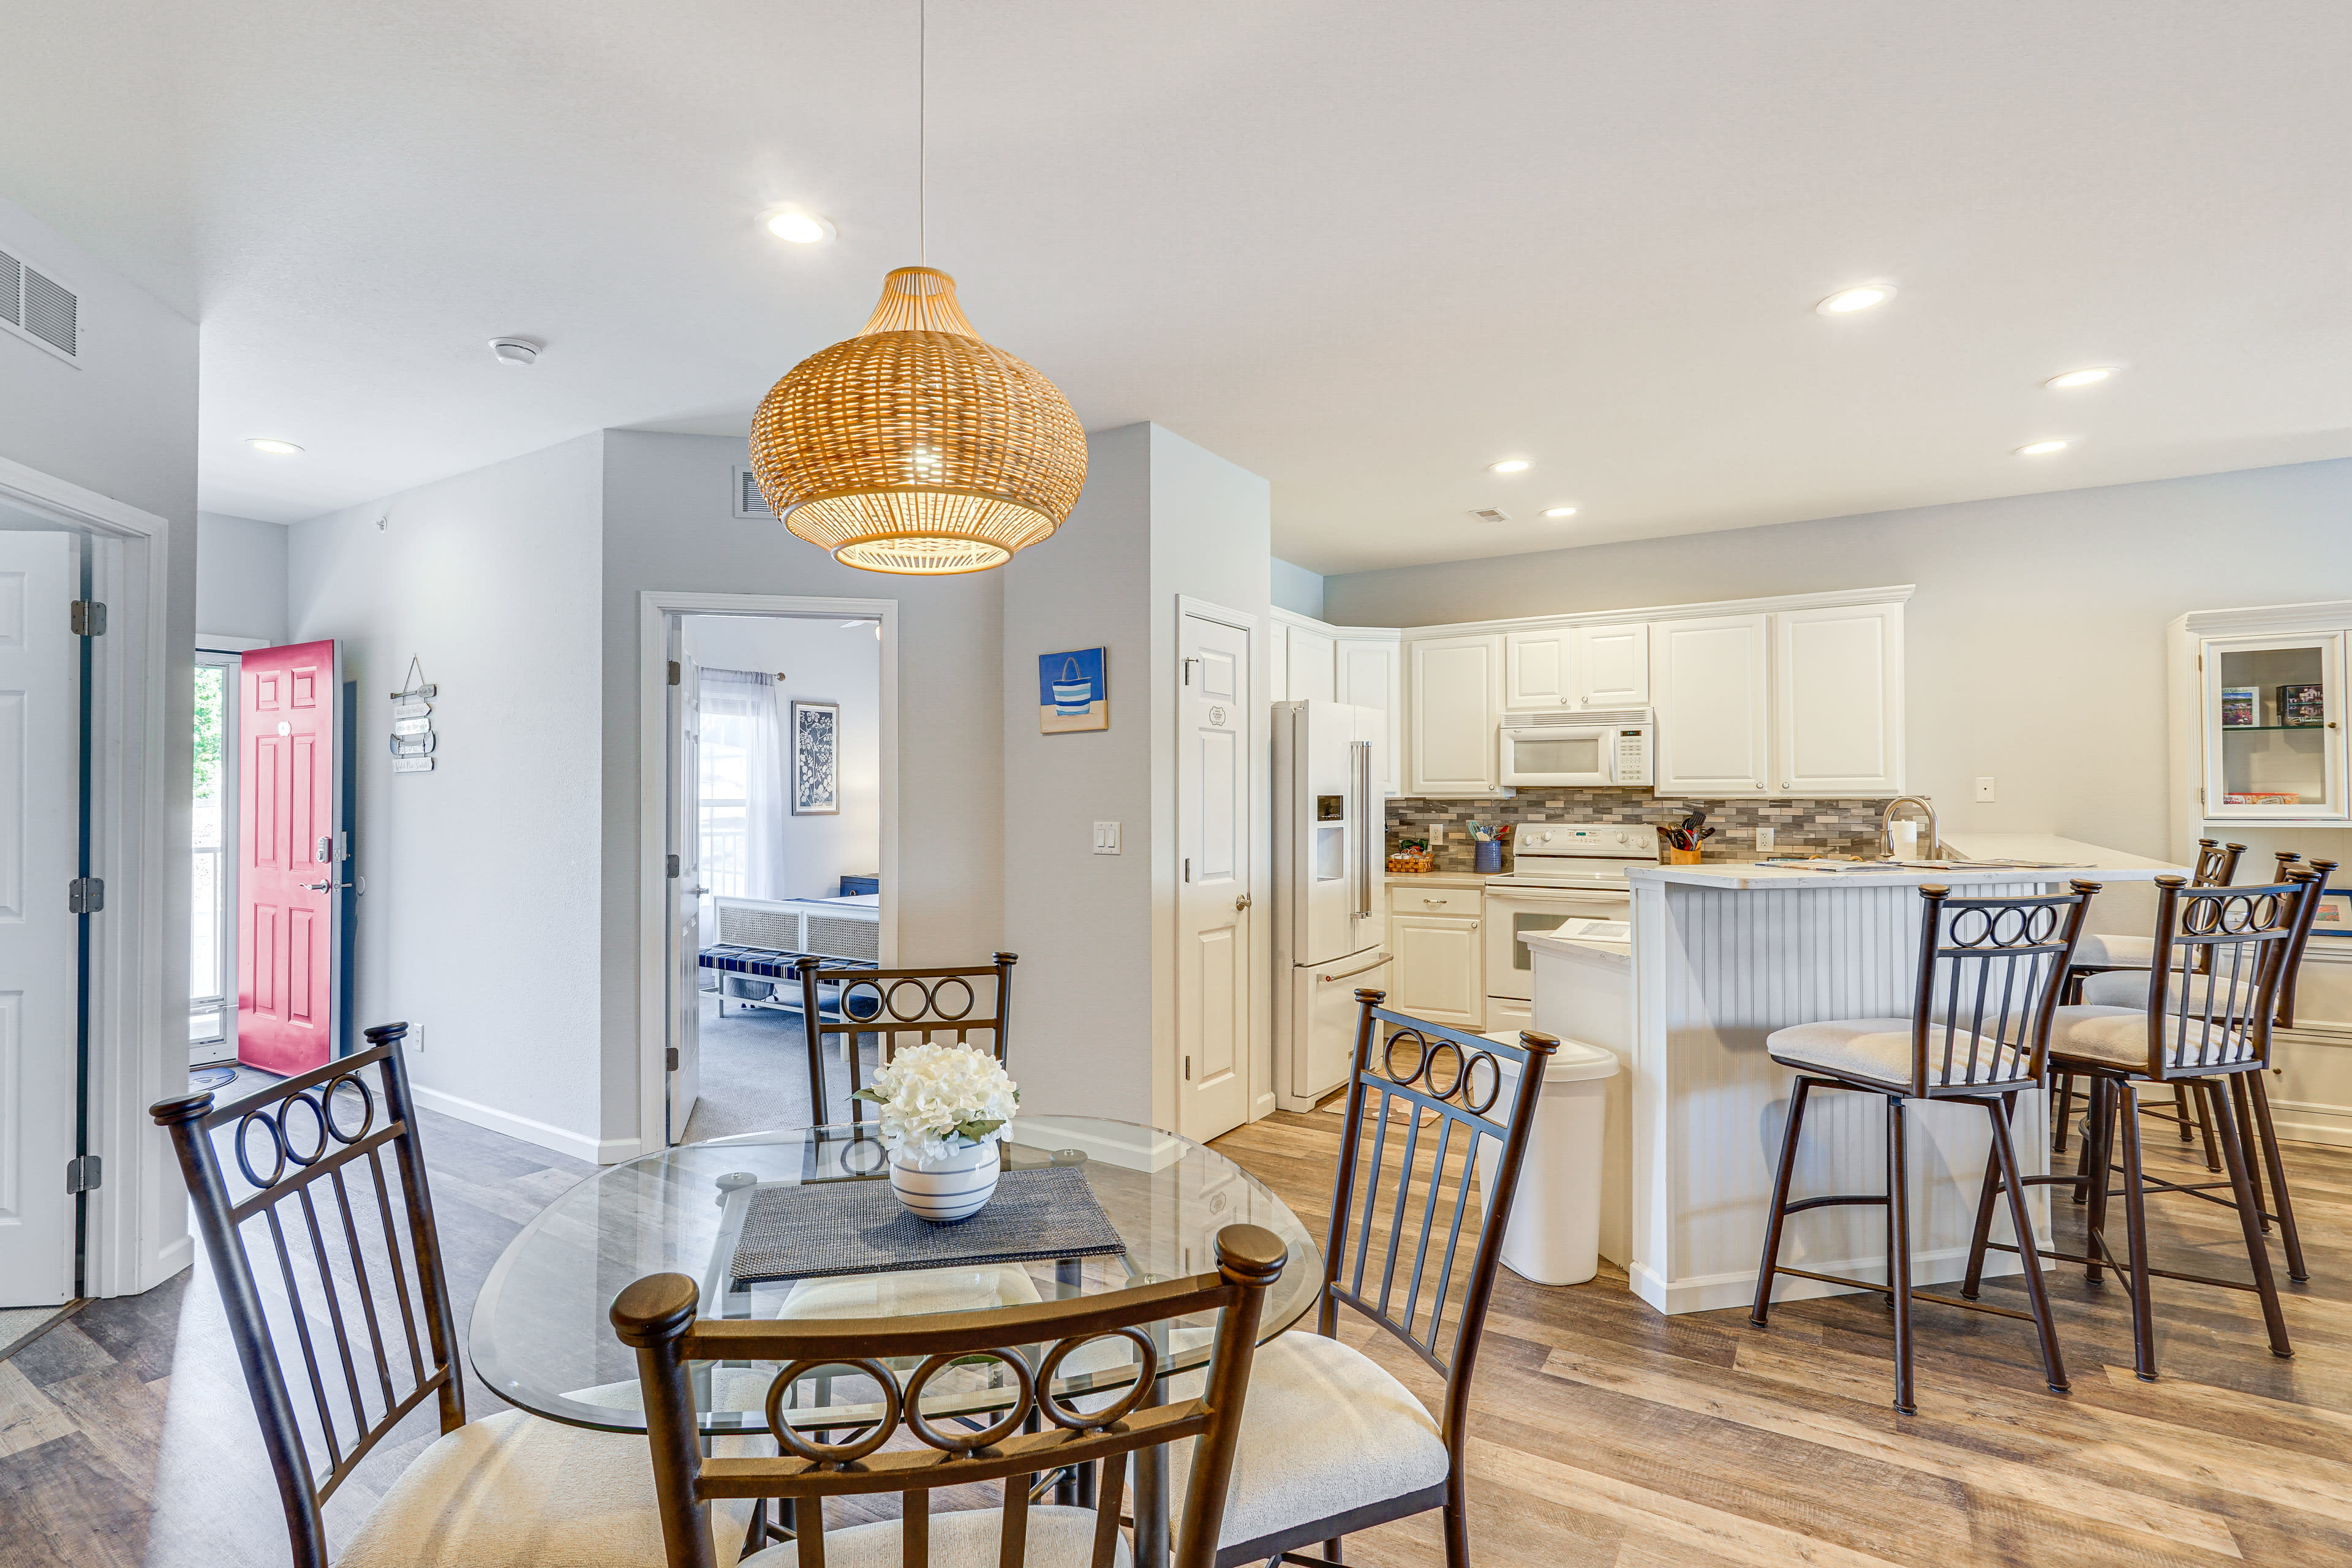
<point>40,309</point>
<point>1489,514</point>
<point>749,499</point>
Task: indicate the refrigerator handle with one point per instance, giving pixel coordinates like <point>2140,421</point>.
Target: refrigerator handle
<point>1372,833</point>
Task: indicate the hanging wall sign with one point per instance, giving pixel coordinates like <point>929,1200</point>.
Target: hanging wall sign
<point>412,738</point>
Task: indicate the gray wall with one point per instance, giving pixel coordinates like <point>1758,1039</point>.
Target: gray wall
<point>240,577</point>
<point>2035,640</point>
<point>479,920</point>
<point>667,525</point>
<point>1297,589</point>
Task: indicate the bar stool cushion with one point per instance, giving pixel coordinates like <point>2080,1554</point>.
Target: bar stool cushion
<point>513,1490</point>
<point>2117,1039</point>
<point>1324,1430</point>
<point>2096,950</point>
<point>966,1538</point>
<point>1874,1051</point>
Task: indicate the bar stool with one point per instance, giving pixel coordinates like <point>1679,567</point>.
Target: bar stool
<point>2205,1020</point>
<point>2100,953</point>
<point>2250,1093</point>
<point>1991,973</point>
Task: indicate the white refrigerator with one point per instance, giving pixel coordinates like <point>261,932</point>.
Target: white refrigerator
<point>1330,857</point>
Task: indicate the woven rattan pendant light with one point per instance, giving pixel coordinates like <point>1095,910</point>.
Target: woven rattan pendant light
<point>915,447</point>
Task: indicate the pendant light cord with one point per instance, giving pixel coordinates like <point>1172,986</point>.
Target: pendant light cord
<point>922,132</point>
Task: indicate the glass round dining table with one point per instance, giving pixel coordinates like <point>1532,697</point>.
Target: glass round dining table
<point>540,1338</point>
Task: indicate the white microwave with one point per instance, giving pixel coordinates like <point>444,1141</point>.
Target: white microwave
<point>1596,746</point>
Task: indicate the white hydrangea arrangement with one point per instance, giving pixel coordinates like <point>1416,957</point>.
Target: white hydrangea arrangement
<point>933,1097</point>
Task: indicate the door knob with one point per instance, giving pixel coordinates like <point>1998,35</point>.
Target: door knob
<point>1243,902</point>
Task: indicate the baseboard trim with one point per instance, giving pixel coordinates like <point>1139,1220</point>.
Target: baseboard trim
<point>1712,1292</point>
<point>579,1145</point>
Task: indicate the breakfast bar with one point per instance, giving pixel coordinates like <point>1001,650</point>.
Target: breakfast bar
<point>1721,955</point>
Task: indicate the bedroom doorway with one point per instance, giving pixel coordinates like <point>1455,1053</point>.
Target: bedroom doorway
<point>775,798</point>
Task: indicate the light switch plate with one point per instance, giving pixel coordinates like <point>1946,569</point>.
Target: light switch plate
<point>1984,789</point>
<point>1106,837</point>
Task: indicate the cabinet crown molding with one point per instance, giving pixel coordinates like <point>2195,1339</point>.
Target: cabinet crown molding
<point>1325,628</point>
<point>2328,613</point>
<point>1831,598</point>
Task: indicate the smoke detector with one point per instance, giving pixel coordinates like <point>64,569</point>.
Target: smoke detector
<point>1489,514</point>
<point>515,351</point>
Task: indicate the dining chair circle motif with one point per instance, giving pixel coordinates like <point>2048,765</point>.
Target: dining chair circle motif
<point>836,1456</point>
<point>960,1443</point>
<point>1078,1420</point>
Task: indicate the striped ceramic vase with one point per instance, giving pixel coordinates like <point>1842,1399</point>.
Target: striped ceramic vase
<point>949,1188</point>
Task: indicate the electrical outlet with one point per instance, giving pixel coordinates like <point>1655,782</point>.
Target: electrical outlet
<point>413,1042</point>
<point>1106,837</point>
<point>1764,837</point>
<point>1984,789</point>
<point>1436,833</point>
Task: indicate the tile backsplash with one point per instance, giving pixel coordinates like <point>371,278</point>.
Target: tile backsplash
<point>1799,826</point>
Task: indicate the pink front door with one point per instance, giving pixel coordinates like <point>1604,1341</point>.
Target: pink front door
<point>286,824</point>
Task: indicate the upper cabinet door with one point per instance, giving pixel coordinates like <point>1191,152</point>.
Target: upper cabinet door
<point>1837,700</point>
<point>1709,679</point>
<point>1535,669</point>
<point>1368,677</point>
<point>1613,666</point>
<point>2273,726</point>
<point>1311,675</point>
<point>1455,686</point>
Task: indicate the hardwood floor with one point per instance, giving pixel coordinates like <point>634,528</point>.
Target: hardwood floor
<point>1603,1432</point>
<point>1604,1436</point>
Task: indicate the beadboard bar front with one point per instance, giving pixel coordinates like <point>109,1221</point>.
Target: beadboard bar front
<point>1722,957</point>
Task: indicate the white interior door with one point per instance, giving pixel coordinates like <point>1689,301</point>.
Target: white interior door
<point>1213,825</point>
<point>40,756</point>
<point>685,1063</point>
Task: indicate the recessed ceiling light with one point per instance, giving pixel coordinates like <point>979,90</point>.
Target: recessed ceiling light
<point>272,445</point>
<point>1846,301</point>
<point>2090,377</point>
<point>2041,448</point>
<point>1509,466</point>
<point>800,228</point>
<point>1560,512</point>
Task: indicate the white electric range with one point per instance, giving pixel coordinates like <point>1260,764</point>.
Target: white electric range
<point>1558,873</point>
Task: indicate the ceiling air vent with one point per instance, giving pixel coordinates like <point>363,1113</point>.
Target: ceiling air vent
<point>749,500</point>
<point>1489,514</point>
<point>40,309</point>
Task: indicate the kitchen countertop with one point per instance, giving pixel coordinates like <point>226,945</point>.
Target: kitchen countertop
<point>1438,879</point>
<point>2088,861</point>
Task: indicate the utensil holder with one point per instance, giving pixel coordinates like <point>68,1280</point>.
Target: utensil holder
<point>1487,858</point>
<point>1678,857</point>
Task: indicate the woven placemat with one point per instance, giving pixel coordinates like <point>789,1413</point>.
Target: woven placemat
<point>829,1229</point>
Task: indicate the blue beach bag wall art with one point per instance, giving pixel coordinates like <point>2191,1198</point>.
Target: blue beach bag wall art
<point>1073,692</point>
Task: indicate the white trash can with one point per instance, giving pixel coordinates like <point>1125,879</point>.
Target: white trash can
<point>1555,1234</point>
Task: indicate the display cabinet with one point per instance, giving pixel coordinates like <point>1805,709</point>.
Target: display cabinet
<point>2259,702</point>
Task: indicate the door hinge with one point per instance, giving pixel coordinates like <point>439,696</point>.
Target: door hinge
<point>83,1173</point>
<point>1188,868</point>
<point>85,895</point>
<point>673,866</point>
<point>2200,797</point>
<point>88,617</point>
<point>1187,1069</point>
<point>672,1059</point>
<point>676,674</point>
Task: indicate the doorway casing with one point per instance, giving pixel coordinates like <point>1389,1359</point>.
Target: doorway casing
<point>656,607</point>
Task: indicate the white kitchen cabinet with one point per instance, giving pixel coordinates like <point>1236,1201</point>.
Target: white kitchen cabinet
<point>1437,969</point>
<point>1613,666</point>
<point>1837,701</point>
<point>2273,714</point>
<point>1538,670</point>
<point>1311,673</point>
<point>1453,688</point>
<point>1367,676</point>
<point>1710,679</point>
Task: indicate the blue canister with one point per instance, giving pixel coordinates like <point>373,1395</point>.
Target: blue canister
<point>1488,856</point>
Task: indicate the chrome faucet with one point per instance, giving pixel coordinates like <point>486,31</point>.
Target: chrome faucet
<point>1934,844</point>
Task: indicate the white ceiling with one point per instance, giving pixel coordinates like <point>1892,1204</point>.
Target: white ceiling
<point>1363,249</point>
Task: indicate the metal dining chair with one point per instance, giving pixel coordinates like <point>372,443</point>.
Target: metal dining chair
<point>901,1006</point>
<point>1331,1443</point>
<point>351,1272</point>
<point>1038,1433</point>
<point>2203,1020</point>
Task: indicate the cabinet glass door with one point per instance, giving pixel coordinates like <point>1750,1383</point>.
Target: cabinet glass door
<point>2274,747</point>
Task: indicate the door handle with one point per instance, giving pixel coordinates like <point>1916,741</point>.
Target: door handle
<point>1243,902</point>
<point>322,887</point>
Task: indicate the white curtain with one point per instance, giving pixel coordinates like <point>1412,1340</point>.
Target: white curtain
<point>738,716</point>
